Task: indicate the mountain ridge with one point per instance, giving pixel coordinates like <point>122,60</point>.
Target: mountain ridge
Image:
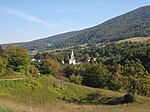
<point>135,23</point>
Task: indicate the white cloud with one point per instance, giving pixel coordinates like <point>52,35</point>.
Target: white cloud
<point>21,14</point>
<point>65,21</point>
<point>66,10</point>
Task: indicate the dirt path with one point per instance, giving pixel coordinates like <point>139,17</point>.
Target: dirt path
<point>18,78</point>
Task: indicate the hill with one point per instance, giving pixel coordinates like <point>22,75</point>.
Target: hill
<point>44,94</point>
<point>132,24</point>
<point>135,39</point>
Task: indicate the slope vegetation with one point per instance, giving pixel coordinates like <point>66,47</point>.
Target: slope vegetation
<point>44,94</point>
<point>132,24</point>
<point>135,39</point>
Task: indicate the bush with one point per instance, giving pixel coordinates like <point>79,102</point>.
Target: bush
<point>73,69</point>
<point>52,67</point>
<point>116,82</point>
<point>143,86</point>
<point>33,84</point>
<point>66,79</point>
<point>75,79</point>
<point>129,98</point>
<point>34,71</point>
<point>9,73</point>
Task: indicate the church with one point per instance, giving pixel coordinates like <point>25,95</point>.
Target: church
<point>72,59</point>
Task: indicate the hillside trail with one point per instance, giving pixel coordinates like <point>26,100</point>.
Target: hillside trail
<point>18,78</point>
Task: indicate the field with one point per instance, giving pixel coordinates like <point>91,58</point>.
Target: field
<point>47,94</point>
<point>135,39</point>
<point>6,109</point>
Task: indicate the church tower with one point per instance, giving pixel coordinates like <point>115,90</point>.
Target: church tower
<point>72,59</point>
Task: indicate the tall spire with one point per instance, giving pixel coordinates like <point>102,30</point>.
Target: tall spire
<point>72,55</point>
<point>72,59</point>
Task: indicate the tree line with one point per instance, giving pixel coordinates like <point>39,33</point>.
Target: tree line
<point>118,66</point>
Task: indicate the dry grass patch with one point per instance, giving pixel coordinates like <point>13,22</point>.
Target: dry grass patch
<point>135,39</point>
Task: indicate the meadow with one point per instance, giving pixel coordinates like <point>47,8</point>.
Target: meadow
<point>47,94</point>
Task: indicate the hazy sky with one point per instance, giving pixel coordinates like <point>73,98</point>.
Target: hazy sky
<point>25,20</point>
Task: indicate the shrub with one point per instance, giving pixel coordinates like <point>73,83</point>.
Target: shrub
<point>129,98</point>
<point>9,73</point>
<point>143,86</point>
<point>66,79</point>
<point>34,71</point>
<point>52,67</point>
<point>33,84</point>
<point>75,79</point>
<point>116,82</point>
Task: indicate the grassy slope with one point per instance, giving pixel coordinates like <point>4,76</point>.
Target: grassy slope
<point>45,94</point>
<point>6,109</point>
<point>135,39</point>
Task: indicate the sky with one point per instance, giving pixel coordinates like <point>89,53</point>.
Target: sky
<point>27,20</point>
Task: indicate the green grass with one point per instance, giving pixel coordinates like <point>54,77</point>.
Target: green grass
<point>47,89</point>
<point>6,109</point>
<point>46,93</point>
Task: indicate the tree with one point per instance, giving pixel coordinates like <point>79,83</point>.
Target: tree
<point>18,59</point>
<point>66,58</point>
<point>34,71</point>
<point>51,66</point>
<point>97,55</point>
<point>137,77</point>
<point>3,62</point>
<point>134,68</point>
<point>75,79</point>
<point>148,53</point>
<point>1,51</point>
<point>86,57</point>
<point>73,69</point>
<point>116,82</point>
<point>96,75</point>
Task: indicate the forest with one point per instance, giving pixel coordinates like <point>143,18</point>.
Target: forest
<point>118,66</point>
<point>132,24</point>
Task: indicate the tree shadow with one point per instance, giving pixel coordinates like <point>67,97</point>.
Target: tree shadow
<point>96,99</point>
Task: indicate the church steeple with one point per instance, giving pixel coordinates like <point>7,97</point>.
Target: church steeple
<point>72,59</point>
<point>72,55</point>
